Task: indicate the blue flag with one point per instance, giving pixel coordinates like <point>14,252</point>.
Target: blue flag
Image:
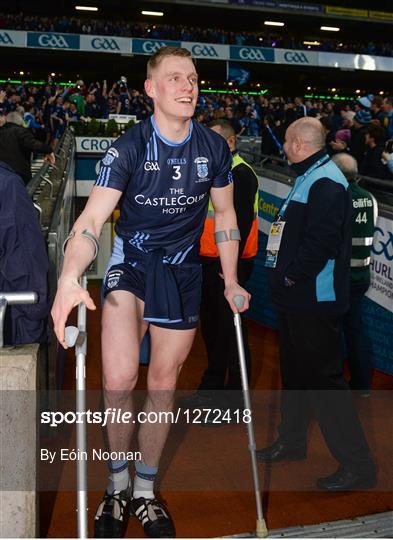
<point>237,73</point>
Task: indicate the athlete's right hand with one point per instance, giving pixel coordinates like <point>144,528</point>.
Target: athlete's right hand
<point>69,295</point>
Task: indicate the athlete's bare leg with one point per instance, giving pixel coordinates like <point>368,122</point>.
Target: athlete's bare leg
<point>169,350</point>
<point>122,332</point>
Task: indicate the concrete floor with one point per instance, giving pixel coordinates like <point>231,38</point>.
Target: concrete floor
<point>205,472</point>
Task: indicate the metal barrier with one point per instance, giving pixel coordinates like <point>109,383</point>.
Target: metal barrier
<point>278,169</point>
<point>52,189</point>
<point>13,298</point>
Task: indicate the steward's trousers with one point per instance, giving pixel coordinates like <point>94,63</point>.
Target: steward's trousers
<point>311,358</point>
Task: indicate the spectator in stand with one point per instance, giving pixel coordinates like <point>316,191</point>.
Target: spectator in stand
<point>4,104</point>
<point>364,103</point>
<point>101,98</point>
<point>377,110</point>
<point>92,109</point>
<point>250,122</point>
<point>77,98</point>
<point>208,35</point>
<point>387,157</point>
<point>59,118</point>
<point>230,116</point>
<point>30,119</point>
<point>372,164</point>
<point>361,120</point>
<point>388,120</point>
<point>300,108</point>
<point>344,135</point>
<point>73,115</point>
<point>272,138</point>
<point>16,145</point>
<point>124,104</point>
<point>112,105</point>
<point>330,134</point>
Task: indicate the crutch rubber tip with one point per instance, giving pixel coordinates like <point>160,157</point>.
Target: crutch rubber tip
<point>261,531</point>
<point>71,335</point>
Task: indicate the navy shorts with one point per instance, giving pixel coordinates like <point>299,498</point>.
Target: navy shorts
<point>124,277</point>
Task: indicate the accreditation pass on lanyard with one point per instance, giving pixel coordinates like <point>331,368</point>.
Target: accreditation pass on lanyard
<point>273,243</point>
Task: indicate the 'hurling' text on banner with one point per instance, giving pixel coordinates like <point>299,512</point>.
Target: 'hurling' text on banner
<point>381,288</point>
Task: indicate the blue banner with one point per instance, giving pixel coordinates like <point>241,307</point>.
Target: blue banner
<point>50,40</point>
<point>86,168</point>
<point>251,54</point>
<point>378,324</point>
<point>301,6</point>
<point>150,46</point>
<point>275,4</point>
<point>237,73</point>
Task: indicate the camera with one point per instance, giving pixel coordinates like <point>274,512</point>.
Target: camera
<point>122,82</point>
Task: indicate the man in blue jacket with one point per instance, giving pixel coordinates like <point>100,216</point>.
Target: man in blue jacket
<point>308,256</point>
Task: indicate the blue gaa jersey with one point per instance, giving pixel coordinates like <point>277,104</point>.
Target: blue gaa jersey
<point>165,186</point>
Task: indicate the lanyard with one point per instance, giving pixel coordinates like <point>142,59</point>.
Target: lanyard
<point>300,180</point>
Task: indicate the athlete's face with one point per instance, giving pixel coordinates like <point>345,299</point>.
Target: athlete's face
<point>174,87</point>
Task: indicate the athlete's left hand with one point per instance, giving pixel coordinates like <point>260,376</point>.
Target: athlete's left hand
<point>233,290</point>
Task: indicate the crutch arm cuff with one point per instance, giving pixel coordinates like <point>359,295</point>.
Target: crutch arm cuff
<point>222,236</point>
<point>86,234</point>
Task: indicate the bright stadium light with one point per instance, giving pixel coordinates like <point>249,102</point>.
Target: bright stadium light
<point>330,28</point>
<point>273,23</point>
<point>153,13</point>
<point>311,43</point>
<point>86,8</point>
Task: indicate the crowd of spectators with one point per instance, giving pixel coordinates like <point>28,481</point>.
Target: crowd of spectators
<point>362,127</point>
<point>48,109</point>
<point>187,33</point>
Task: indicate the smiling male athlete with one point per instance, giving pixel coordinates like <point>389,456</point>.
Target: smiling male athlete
<point>161,173</point>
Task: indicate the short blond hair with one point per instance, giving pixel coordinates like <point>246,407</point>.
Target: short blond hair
<point>162,53</point>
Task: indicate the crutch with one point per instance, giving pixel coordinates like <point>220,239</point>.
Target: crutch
<point>261,529</point>
<point>77,336</point>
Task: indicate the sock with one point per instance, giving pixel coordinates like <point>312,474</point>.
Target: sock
<point>144,480</point>
<point>119,477</point>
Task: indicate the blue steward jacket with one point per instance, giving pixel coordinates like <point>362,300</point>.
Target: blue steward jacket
<point>315,250</point>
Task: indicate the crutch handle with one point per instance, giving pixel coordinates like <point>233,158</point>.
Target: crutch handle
<point>74,337</point>
<point>239,301</point>
<point>71,334</point>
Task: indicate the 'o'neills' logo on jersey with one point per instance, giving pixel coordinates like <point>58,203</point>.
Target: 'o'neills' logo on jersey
<point>176,161</point>
<point>151,166</point>
<point>202,169</point>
